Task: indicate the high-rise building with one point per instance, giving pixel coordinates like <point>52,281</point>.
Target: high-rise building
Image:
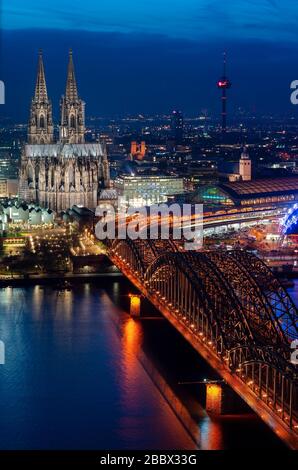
<point>177,127</point>
<point>58,175</point>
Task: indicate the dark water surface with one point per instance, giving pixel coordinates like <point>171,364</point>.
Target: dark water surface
<point>73,378</point>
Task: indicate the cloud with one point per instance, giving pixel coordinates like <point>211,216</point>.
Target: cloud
<point>246,19</point>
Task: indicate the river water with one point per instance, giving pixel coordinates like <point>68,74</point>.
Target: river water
<point>74,376</point>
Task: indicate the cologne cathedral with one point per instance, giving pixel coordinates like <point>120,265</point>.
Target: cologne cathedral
<point>67,172</point>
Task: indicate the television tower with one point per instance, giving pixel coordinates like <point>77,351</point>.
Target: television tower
<point>224,84</point>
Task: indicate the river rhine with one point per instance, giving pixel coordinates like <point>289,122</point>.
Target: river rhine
<point>74,376</point>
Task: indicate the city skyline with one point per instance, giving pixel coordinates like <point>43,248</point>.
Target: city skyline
<point>148,230</point>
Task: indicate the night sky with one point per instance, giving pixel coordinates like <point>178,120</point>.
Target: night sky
<point>151,56</point>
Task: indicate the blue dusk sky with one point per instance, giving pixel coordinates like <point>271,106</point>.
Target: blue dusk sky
<point>153,55</point>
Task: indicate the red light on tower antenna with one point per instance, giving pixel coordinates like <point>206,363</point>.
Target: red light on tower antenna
<point>224,84</point>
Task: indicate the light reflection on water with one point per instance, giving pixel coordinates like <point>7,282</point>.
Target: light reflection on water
<point>72,377</point>
<point>71,381</point>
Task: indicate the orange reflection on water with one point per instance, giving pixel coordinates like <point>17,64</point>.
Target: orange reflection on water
<point>132,340</point>
<point>138,375</point>
<point>130,368</point>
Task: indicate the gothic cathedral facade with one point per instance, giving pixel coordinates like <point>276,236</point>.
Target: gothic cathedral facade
<point>58,175</point>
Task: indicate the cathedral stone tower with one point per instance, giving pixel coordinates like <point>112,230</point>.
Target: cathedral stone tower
<point>58,175</point>
<point>40,129</point>
<point>72,126</point>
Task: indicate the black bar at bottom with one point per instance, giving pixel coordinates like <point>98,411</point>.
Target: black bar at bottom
<point>137,459</point>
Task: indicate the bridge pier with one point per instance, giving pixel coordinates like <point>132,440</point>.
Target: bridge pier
<point>221,399</point>
<point>135,305</point>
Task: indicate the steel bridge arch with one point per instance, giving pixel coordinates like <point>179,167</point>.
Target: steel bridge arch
<point>216,300</point>
<point>199,292</point>
<point>259,310</point>
<point>225,305</point>
<point>265,369</point>
<point>277,297</point>
<point>130,253</point>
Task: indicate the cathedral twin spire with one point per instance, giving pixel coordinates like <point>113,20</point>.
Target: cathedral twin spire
<point>72,126</point>
<point>71,84</point>
<point>72,121</point>
<point>40,129</point>
<point>41,94</point>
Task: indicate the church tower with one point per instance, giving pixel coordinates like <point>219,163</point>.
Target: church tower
<point>245,165</point>
<point>72,126</point>
<point>40,129</point>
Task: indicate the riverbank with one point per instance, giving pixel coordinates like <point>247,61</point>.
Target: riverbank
<point>110,273</point>
<point>57,278</point>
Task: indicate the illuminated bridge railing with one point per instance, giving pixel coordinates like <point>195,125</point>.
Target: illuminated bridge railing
<point>234,309</point>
